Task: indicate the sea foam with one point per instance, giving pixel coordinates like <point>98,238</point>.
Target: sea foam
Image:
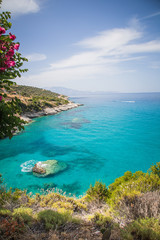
<point>28,165</point>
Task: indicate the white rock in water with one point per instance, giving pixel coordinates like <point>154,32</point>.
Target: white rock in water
<point>50,167</point>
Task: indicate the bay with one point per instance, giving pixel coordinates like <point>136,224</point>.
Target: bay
<point>109,135</point>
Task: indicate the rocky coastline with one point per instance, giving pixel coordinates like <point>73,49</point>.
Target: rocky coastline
<point>28,116</point>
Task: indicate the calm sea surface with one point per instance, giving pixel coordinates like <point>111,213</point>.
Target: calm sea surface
<point>101,140</point>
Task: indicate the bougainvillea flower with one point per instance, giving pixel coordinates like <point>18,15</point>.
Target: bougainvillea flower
<point>12,63</point>
<point>0,98</point>
<point>16,46</point>
<point>2,30</point>
<point>3,48</point>
<point>12,37</point>
<point>10,53</point>
<point>2,69</point>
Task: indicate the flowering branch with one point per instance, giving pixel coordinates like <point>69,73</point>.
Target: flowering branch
<point>10,67</point>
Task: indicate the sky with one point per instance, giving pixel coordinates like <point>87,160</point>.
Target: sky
<point>90,45</point>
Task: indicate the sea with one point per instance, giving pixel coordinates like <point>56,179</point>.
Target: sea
<point>99,141</point>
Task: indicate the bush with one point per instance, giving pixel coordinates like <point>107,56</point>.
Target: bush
<point>132,186</point>
<point>23,214</point>
<point>102,221</point>
<point>55,220</point>
<point>5,212</point>
<point>155,169</point>
<point>98,192</point>
<point>140,206</point>
<point>9,196</point>
<point>142,229</point>
<point>10,229</point>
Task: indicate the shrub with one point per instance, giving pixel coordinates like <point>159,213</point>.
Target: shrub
<point>55,220</point>
<point>10,229</point>
<point>140,206</point>
<point>23,214</point>
<point>9,196</point>
<point>5,212</point>
<point>98,192</point>
<point>102,221</point>
<point>138,183</point>
<point>155,169</point>
<point>142,229</point>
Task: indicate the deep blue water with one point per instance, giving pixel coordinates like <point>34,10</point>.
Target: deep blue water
<point>101,140</point>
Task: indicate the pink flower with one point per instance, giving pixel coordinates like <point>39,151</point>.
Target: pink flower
<point>2,69</point>
<point>0,98</point>
<point>12,37</point>
<point>10,53</point>
<point>16,46</point>
<point>3,48</point>
<point>2,30</point>
<point>12,63</point>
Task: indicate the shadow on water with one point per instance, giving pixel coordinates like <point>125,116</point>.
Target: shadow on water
<point>75,123</point>
<point>90,163</point>
<point>16,148</point>
<point>73,188</point>
<point>39,145</point>
<point>50,150</point>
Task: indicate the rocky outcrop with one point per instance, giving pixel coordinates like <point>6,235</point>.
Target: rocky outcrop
<point>38,169</point>
<point>49,111</point>
<point>49,167</point>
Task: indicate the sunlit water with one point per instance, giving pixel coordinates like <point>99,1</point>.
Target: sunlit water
<point>98,141</point>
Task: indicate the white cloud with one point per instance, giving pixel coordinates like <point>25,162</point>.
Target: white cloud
<point>36,57</point>
<point>101,57</point>
<point>151,15</point>
<point>109,47</point>
<point>109,40</point>
<point>18,7</point>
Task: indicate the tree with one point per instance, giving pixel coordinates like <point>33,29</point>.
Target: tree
<point>10,67</point>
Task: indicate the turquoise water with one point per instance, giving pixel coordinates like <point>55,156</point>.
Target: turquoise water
<point>98,141</point>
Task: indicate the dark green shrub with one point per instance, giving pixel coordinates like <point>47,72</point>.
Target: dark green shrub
<point>23,214</point>
<point>142,229</point>
<point>155,169</point>
<point>98,192</point>
<point>54,220</point>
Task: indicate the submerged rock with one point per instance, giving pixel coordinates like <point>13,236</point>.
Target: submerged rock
<point>49,167</point>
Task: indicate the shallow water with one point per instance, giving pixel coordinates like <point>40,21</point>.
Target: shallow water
<point>98,141</point>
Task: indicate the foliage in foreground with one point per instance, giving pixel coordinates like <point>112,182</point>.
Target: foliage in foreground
<point>55,220</point>
<point>143,229</point>
<point>11,62</point>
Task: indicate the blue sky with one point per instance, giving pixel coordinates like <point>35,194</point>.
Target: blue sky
<point>90,45</point>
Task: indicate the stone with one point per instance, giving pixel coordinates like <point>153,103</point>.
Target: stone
<point>38,169</point>
<point>49,167</point>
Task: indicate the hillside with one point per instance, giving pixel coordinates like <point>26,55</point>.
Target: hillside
<point>35,99</point>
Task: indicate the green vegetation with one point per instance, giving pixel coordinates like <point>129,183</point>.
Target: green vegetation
<point>144,229</point>
<point>23,214</point>
<point>128,209</point>
<point>55,220</point>
<point>98,192</point>
<point>11,62</point>
<point>35,99</point>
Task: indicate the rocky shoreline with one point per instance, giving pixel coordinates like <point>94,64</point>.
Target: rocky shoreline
<point>28,116</point>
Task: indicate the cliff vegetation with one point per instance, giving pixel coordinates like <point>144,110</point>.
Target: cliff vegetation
<point>35,99</point>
